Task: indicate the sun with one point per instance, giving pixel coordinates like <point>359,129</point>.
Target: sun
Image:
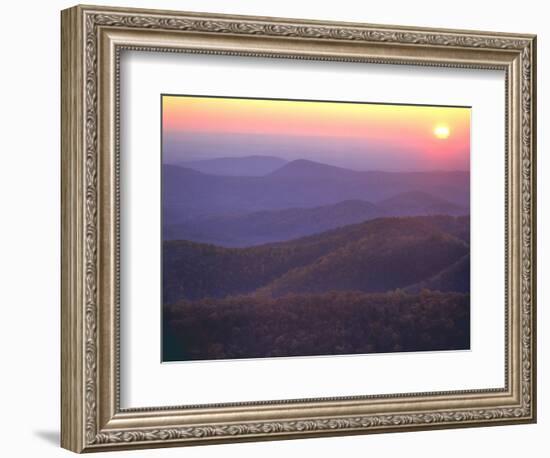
<point>442,131</point>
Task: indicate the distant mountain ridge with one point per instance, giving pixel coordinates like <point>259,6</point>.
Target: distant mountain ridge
<point>278,225</point>
<point>419,203</point>
<point>303,168</point>
<point>190,194</point>
<point>236,166</point>
<point>272,226</point>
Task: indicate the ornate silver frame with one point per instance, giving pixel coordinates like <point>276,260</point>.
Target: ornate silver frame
<point>92,38</point>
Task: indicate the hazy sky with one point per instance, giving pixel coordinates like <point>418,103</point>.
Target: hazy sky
<point>354,135</point>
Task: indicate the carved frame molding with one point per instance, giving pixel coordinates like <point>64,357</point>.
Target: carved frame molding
<point>92,39</point>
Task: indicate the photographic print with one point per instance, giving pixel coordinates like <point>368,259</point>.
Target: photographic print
<point>254,212</point>
<point>307,228</point>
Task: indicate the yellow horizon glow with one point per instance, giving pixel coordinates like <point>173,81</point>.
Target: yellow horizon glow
<point>436,134</point>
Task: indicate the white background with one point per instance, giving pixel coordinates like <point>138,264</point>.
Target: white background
<point>29,245</point>
<point>146,383</point>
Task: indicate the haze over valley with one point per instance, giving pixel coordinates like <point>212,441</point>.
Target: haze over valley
<point>295,199</point>
<point>243,246</point>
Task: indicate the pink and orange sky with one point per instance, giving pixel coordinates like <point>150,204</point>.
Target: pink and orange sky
<point>361,136</point>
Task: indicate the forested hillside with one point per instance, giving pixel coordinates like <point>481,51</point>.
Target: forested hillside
<point>374,256</point>
<point>317,324</point>
<point>389,284</point>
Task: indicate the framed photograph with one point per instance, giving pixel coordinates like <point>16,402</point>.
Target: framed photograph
<point>279,228</point>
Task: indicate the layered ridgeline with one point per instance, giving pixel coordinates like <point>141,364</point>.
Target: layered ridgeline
<point>299,198</point>
<point>236,166</point>
<point>388,284</point>
<point>264,257</point>
<point>262,227</point>
<point>374,256</point>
